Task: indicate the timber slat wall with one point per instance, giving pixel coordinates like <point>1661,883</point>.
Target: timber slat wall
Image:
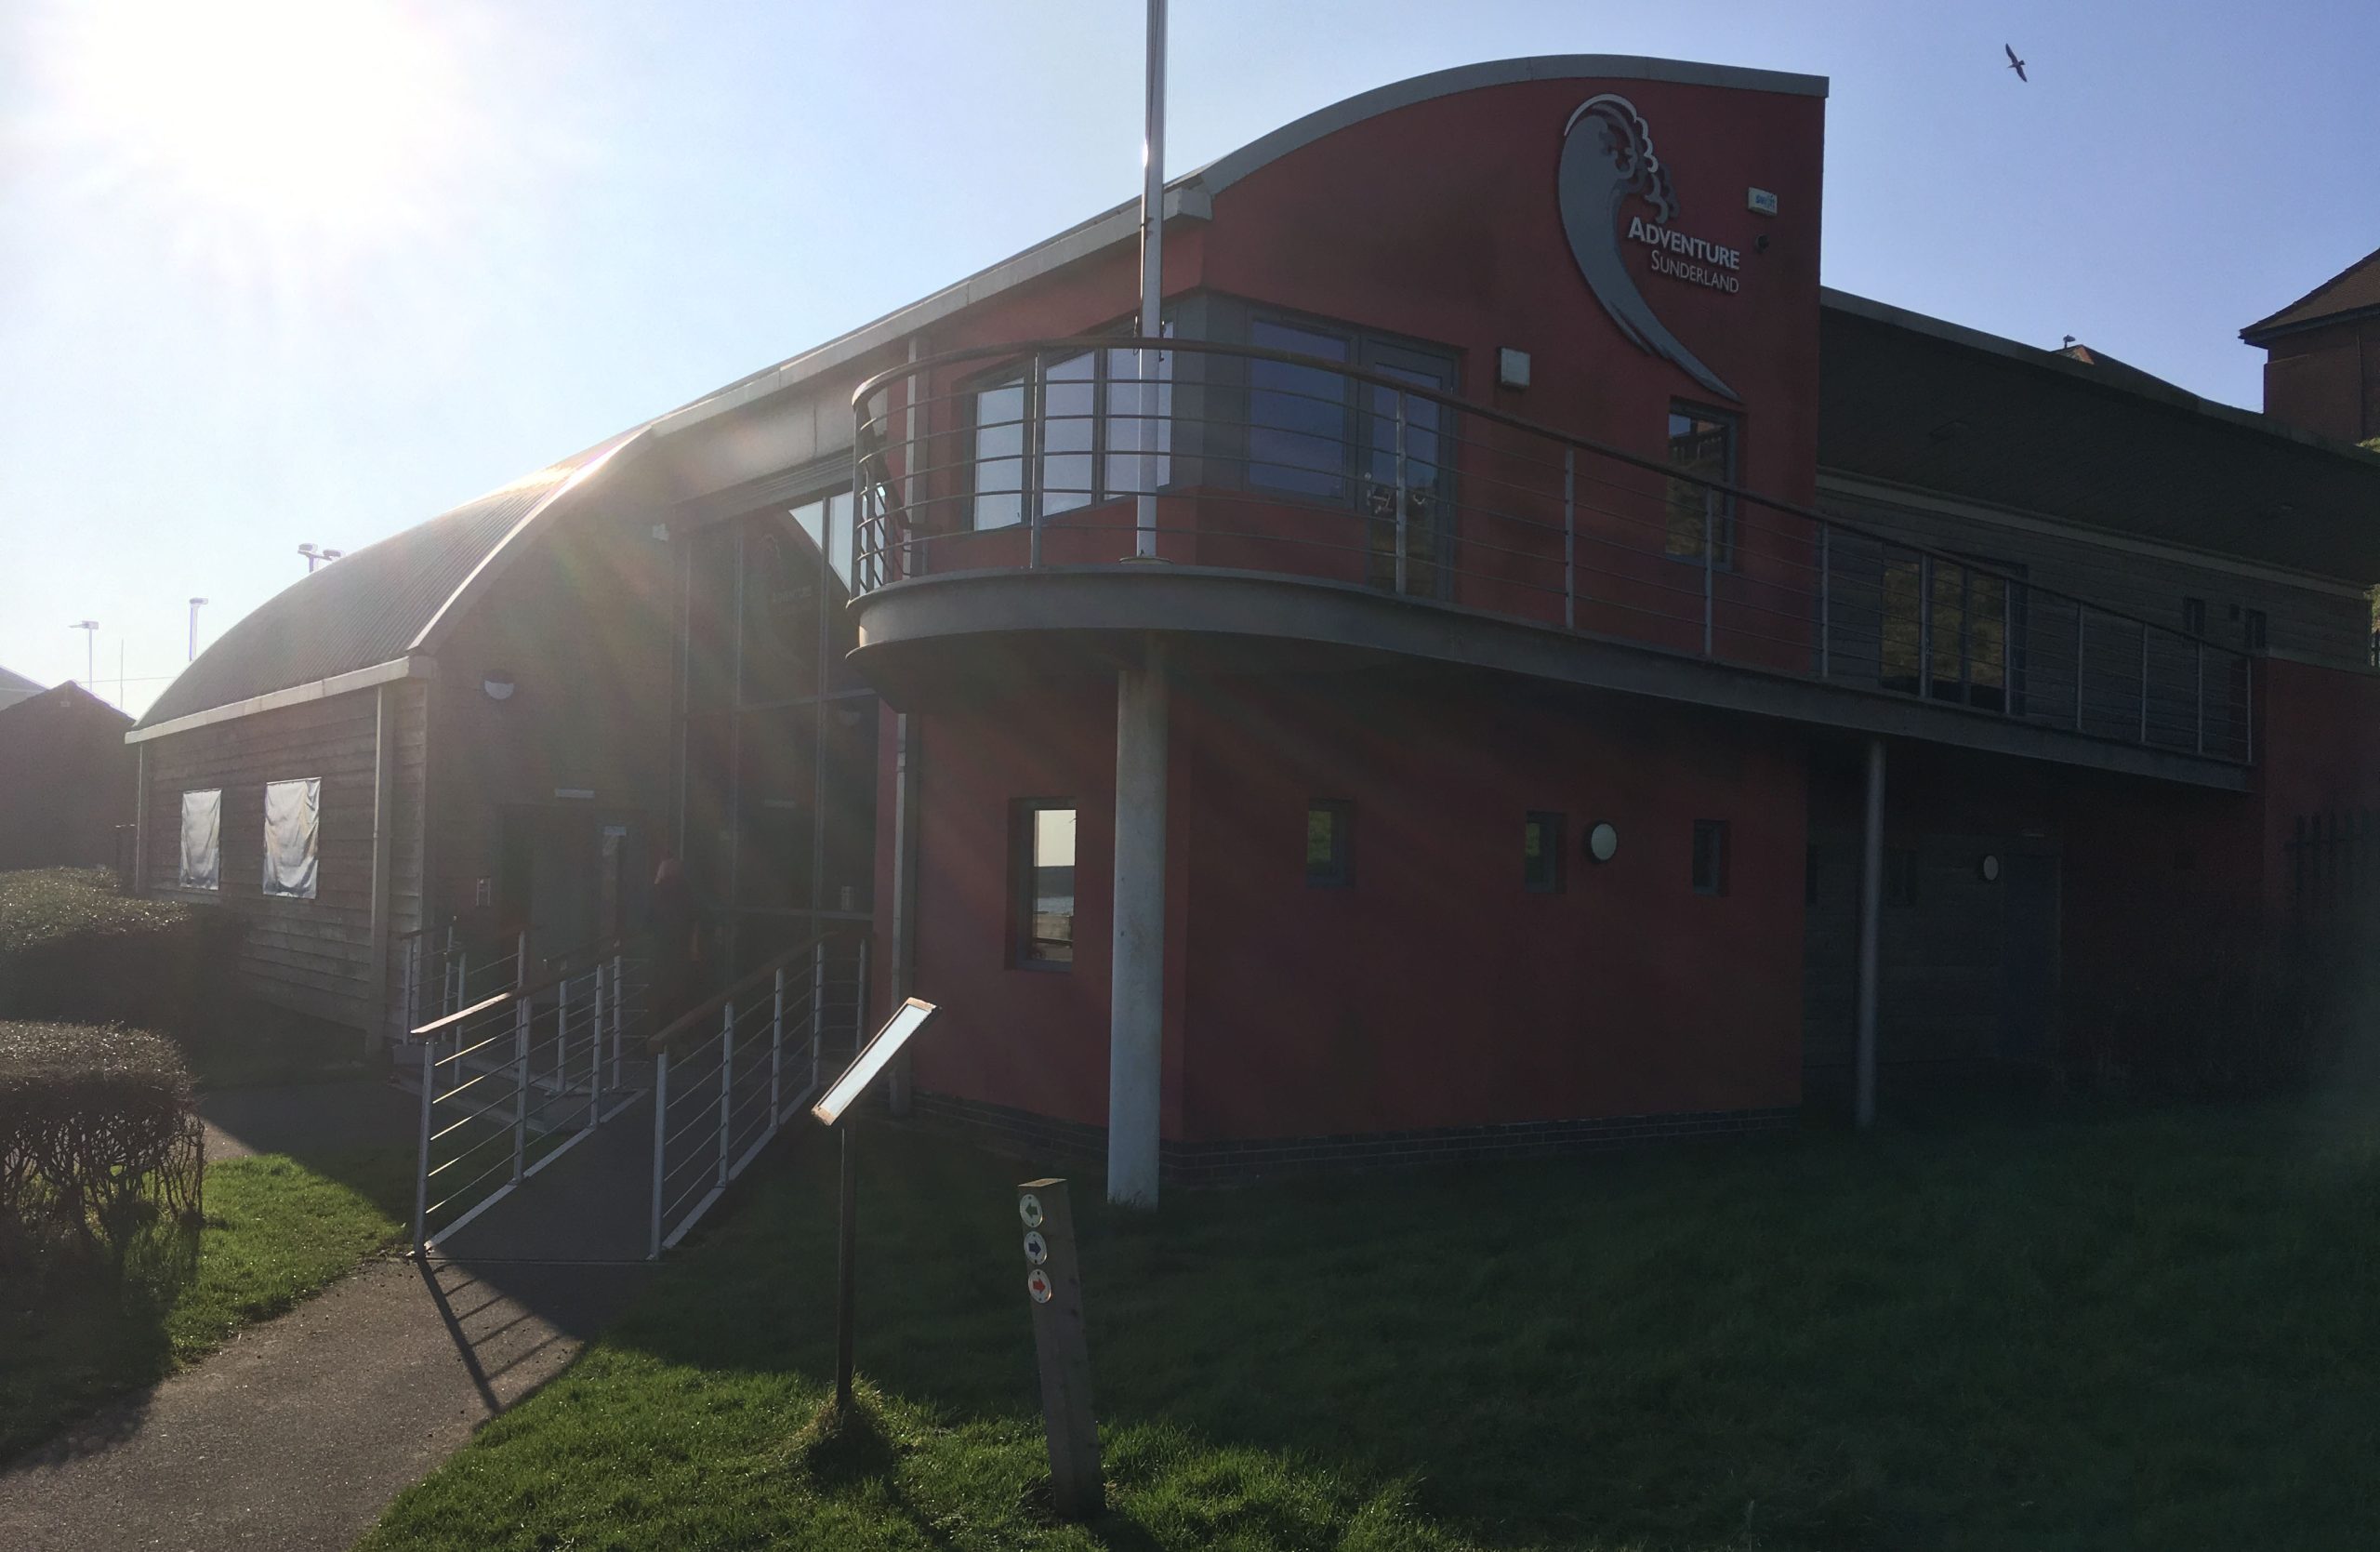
<point>311,956</point>
<point>2303,619</point>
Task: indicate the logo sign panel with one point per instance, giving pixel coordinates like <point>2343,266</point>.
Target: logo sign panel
<point>1617,201</point>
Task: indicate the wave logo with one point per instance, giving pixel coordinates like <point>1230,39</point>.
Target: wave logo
<point>1608,158</point>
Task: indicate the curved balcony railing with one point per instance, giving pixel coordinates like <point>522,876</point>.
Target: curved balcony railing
<point>1036,454</point>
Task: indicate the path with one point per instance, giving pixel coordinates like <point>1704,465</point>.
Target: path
<point>300,1432</point>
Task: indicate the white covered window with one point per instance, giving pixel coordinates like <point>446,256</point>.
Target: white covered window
<point>293,812</point>
<point>201,841</point>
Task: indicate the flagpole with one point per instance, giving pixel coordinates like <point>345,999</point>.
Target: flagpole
<point>1151,283</point>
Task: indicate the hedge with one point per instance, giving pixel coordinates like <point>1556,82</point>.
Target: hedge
<point>74,949</point>
<point>97,1138</point>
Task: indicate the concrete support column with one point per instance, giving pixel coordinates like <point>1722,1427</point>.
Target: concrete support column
<point>1872,904</point>
<point>1136,1007</point>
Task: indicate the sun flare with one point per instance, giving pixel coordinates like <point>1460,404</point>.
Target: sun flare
<point>325,119</point>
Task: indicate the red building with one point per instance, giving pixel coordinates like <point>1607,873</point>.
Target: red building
<point>1575,679</point>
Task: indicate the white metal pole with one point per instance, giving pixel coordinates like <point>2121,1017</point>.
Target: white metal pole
<point>660,1140</point>
<point>1136,1005</point>
<point>1872,901</point>
<point>776,1042</point>
<point>421,1176</point>
<point>726,1084</point>
<point>519,1085</point>
<point>619,991</point>
<point>1152,281</point>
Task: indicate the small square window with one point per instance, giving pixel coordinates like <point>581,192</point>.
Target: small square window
<point>1901,876</point>
<point>1330,843</point>
<point>1541,853</point>
<point>1709,856</point>
<point>1043,869</point>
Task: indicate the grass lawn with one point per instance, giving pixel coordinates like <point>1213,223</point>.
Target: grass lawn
<point>2156,1329</point>
<point>275,1231</point>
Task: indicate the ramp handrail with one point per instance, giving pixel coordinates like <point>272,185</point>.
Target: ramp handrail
<point>730,1072</point>
<point>519,1069</point>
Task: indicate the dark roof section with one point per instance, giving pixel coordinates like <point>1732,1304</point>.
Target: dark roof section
<point>15,687</point>
<point>2353,292</point>
<point>61,695</point>
<point>365,608</point>
<point>1913,401</point>
<point>2122,374</point>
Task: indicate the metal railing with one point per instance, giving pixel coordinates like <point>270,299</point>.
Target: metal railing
<point>728,1072</point>
<point>516,1080</point>
<point>1290,465</point>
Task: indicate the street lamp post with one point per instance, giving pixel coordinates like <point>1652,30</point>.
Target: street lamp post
<point>315,554</point>
<point>195,604</point>
<point>90,629</point>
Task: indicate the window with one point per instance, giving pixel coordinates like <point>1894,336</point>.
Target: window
<point>1045,884</point>
<point>1542,852</point>
<point>1709,856</point>
<point>2252,630</point>
<point>1702,442</point>
<point>1094,414</point>
<point>1330,843</point>
<point>293,812</point>
<point>1951,631</point>
<point>828,522</point>
<point>1901,876</point>
<point>2194,616</point>
<point>1297,415</point>
<point>201,841</point>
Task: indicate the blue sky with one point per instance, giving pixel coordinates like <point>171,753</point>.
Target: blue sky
<point>319,287</point>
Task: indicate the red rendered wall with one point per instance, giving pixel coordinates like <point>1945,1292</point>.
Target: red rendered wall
<point>1437,991</point>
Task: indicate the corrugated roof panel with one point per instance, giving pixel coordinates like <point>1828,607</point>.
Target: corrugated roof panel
<point>362,609</point>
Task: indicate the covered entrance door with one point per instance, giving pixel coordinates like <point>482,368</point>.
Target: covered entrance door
<point>569,875</point>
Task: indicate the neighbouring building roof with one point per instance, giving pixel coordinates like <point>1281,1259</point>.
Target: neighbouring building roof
<point>1913,401</point>
<point>25,708</point>
<point>2354,290</point>
<point>15,687</point>
<point>366,608</point>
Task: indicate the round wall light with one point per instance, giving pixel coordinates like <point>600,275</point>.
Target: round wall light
<point>1603,841</point>
<point>498,685</point>
<point>1989,867</point>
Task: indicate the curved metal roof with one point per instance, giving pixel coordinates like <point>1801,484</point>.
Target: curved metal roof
<point>376,604</point>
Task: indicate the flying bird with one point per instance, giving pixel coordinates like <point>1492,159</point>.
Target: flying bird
<point>2015,65</point>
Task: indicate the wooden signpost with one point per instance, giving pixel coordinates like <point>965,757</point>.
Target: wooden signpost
<point>1053,1293</point>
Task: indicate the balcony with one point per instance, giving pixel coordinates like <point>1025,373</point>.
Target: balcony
<point>1301,500</point>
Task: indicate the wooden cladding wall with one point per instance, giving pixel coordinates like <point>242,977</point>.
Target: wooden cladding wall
<point>311,956</point>
<point>2307,619</point>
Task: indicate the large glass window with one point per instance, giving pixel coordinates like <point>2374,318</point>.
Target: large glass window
<point>828,522</point>
<point>293,812</point>
<point>1045,884</point>
<point>1297,415</point>
<point>202,865</point>
<point>1702,442</point>
<point>1095,414</point>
